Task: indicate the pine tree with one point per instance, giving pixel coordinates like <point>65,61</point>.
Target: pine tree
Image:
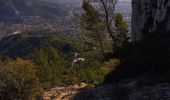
<point>121,29</point>
<point>92,26</point>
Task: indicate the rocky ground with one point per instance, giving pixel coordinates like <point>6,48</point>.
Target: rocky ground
<point>63,93</point>
<point>120,91</point>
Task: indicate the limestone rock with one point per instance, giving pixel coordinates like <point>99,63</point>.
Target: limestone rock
<point>149,16</point>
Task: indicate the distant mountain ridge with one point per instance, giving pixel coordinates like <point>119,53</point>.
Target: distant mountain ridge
<point>7,11</point>
<point>13,10</point>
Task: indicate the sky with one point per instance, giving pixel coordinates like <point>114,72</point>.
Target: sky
<point>124,0</point>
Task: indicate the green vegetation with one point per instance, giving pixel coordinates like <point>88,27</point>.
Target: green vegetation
<point>50,66</point>
<point>123,46</point>
<point>92,25</point>
<point>18,80</point>
<point>53,58</point>
<point>102,30</point>
<point>29,65</point>
<point>121,29</point>
<point>48,60</point>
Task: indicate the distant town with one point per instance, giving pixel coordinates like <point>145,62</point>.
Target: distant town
<point>57,25</point>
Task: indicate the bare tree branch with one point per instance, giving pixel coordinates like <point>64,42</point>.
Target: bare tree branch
<point>109,10</point>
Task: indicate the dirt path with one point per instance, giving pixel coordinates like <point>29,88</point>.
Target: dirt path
<point>63,93</point>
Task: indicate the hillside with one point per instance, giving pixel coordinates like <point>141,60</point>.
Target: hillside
<point>21,46</point>
<point>100,63</point>
<point>55,55</point>
<point>14,10</point>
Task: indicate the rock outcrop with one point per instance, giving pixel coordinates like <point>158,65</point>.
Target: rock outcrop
<point>120,91</point>
<point>63,93</point>
<point>149,16</point>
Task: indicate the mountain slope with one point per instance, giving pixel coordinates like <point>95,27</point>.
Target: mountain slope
<point>7,12</point>
<point>15,9</point>
<point>23,46</point>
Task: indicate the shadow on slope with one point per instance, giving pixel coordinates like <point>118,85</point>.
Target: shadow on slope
<point>150,60</point>
<point>148,65</point>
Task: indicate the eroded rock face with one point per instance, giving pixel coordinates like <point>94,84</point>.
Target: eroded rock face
<point>149,16</point>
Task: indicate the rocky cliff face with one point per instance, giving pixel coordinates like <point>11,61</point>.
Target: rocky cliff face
<point>149,16</point>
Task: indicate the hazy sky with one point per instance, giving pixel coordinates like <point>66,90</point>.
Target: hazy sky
<point>124,0</point>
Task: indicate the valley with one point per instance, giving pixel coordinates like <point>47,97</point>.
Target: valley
<point>90,50</point>
<point>55,16</point>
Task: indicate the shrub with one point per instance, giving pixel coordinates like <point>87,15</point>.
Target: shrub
<point>18,81</point>
<point>50,67</point>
